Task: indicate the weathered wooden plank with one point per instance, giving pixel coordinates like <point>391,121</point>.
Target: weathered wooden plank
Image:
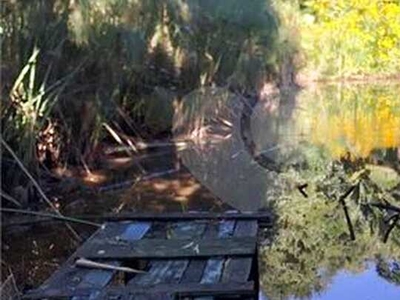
<point>246,228</point>
<point>72,278</point>
<point>178,290</point>
<point>238,269</point>
<point>199,277</point>
<point>214,267</point>
<point>161,271</point>
<point>150,296</point>
<point>158,230</point>
<point>69,276</point>
<point>181,230</point>
<point>226,228</point>
<point>197,268</point>
<point>213,270</point>
<point>100,278</point>
<point>187,229</point>
<point>156,270</point>
<point>194,271</point>
<point>135,231</point>
<point>263,217</point>
<point>211,230</point>
<point>175,271</point>
<point>95,278</point>
<point>171,271</point>
<point>156,248</point>
<point>197,289</point>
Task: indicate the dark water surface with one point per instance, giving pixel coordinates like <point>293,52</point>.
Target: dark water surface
<point>255,155</point>
<point>326,139</point>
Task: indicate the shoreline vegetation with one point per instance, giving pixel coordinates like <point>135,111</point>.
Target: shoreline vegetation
<point>81,79</point>
<point>302,80</point>
<point>79,74</point>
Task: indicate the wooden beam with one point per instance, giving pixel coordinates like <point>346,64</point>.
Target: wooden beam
<point>179,290</point>
<point>173,248</point>
<point>190,289</point>
<point>263,217</point>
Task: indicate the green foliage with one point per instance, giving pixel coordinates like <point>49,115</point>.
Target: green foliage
<point>355,120</point>
<point>312,241</point>
<point>351,38</point>
<point>26,112</point>
<point>118,53</point>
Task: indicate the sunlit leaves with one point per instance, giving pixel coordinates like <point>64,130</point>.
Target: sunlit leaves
<point>343,120</point>
<point>350,38</point>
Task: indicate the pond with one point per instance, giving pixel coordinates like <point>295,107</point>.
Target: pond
<point>295,153</point>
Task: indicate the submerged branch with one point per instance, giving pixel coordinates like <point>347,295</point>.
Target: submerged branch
<point>131,182</point>
<point>47,215</point>
<point>10,199</point>
<point>37,186</point>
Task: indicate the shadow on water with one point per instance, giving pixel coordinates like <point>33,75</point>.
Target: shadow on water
<point>32,251</point>
<point>337,137</point>
<point>330,138</point>
<point>239,152</point>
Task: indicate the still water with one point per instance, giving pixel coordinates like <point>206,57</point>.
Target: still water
<point>255,155</point>
<point>325,139</point>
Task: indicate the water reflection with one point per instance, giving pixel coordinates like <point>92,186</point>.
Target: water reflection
<point>346,285</point>
<point>340,133</point>
<point>217,156</point>
<point>365,285</point>
<point>359,121</point>
<point>332,138</point>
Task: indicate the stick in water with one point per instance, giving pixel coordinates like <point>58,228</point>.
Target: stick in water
<point>37,186</point>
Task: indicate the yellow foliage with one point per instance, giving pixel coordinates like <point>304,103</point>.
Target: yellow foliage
<point>353,37</point>
<point>353,124</point>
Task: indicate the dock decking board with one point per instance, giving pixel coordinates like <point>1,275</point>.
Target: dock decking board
<point>171,271</point>
<point>199,259</point>
<point>196,268</point>
<point>238,269</point>
<point>214,266</point>
<point>177,248</point>
<point>261,217</point>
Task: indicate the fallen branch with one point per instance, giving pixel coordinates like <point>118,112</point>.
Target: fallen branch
<point>177,144</point>
<point>386,206</point>
<point>10,199</point>
<point>128,183</point>
<point>37,186</point>
<point>9,289</point>
<point>346,212</point>
<point>265,218</point>
<point>58,217</point>
<point>86,263</point>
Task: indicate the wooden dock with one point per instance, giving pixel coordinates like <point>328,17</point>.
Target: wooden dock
<point>199,257</point>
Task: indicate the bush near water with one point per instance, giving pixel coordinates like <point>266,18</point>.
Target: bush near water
<point>76,73</point>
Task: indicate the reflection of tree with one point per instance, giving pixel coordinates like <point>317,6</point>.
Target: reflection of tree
<point>217,157</point>
<point>312,241</point>
<point>345,120</point>
<point>390,270</point>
